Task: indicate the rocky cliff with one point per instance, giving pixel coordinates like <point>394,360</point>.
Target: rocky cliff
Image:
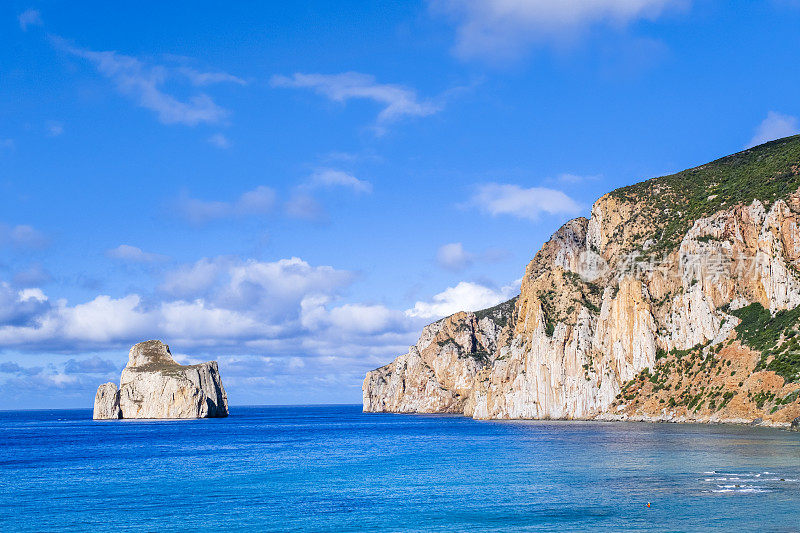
<point>677,299</point>
<point>153,385</point>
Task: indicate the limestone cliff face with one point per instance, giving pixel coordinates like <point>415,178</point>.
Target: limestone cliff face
<point>153,385</point>
<point>660,268</point>
<point>437,374</point>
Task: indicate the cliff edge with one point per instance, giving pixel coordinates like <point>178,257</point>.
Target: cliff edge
<point>153,385</point>
<point>678,299</point>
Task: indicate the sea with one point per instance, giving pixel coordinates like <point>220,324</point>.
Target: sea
<point>334,468</point>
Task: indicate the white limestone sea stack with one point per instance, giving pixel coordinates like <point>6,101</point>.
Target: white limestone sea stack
<point>154,386</point>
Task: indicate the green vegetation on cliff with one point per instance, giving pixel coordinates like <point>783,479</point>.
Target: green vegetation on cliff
<point>500,313</point>
<point>774,336</point>
<point>767,173</point>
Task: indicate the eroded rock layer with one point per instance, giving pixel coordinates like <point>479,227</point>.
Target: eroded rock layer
<point>693,263</point>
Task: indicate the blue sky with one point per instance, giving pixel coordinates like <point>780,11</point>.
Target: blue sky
<point>295,188</point>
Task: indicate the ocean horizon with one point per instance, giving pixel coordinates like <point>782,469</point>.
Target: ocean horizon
<point>334,468</point>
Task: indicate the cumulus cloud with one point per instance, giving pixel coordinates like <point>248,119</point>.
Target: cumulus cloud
<point>287,307</point>
<point>466,296</point>
<point>133,254</point>
<point>775,126</point>
<point>398,101</point>
<point>267,288</point>
<point>104,319</point>
<point>500,199</point>
<point>258,201</point>
<point>145,83</point>
<point>21,307</point>
<point>327,177</point>
<point>503,29</point>
<point>29,17</point>
<point>351,318</point>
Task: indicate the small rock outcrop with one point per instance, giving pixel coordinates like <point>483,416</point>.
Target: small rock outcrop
<point>153,385</point>
<point>106,402</point>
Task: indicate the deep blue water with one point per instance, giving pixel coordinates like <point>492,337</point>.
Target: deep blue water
<point>333,468</point>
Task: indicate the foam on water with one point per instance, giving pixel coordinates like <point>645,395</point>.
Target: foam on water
<point>741,482</point>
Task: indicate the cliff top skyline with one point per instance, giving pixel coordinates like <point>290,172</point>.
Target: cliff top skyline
<point>295,190</point>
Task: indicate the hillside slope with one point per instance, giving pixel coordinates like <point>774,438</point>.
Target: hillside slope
<point>677,299</point>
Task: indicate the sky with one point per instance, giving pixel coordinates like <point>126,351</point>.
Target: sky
<point>295,188</point>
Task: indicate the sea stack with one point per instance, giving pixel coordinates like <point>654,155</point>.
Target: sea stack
<point>153,385</point>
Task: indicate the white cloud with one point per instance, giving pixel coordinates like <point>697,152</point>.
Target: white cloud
<point>357,319</point>
<point>303,205</point>
<point>199,319</point>
<point>284,307</point>
<point>503,29</point>
<point>195,279</point>
<point>133,254</point>
<point>29,17</point>
<point>774,127</point>
<point>452,256</point>
<point>219,140</point>
<point>21,307</point>
<point>327,177</point>
<point>286,281</point>
<point>466,296</point>
<point>267,288</point>
<point>101,321</point>
<point>398,101</point>
<point>258,201</point>
<point>499,199</point>
<point>32,294</point>
<point>145,83</point>
<point>200,78</point>
<point>22,236</point>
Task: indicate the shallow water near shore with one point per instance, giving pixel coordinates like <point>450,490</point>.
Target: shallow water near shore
<point>333,468</point>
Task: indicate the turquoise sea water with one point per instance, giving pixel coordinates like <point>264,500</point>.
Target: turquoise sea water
<point>333,468</point>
